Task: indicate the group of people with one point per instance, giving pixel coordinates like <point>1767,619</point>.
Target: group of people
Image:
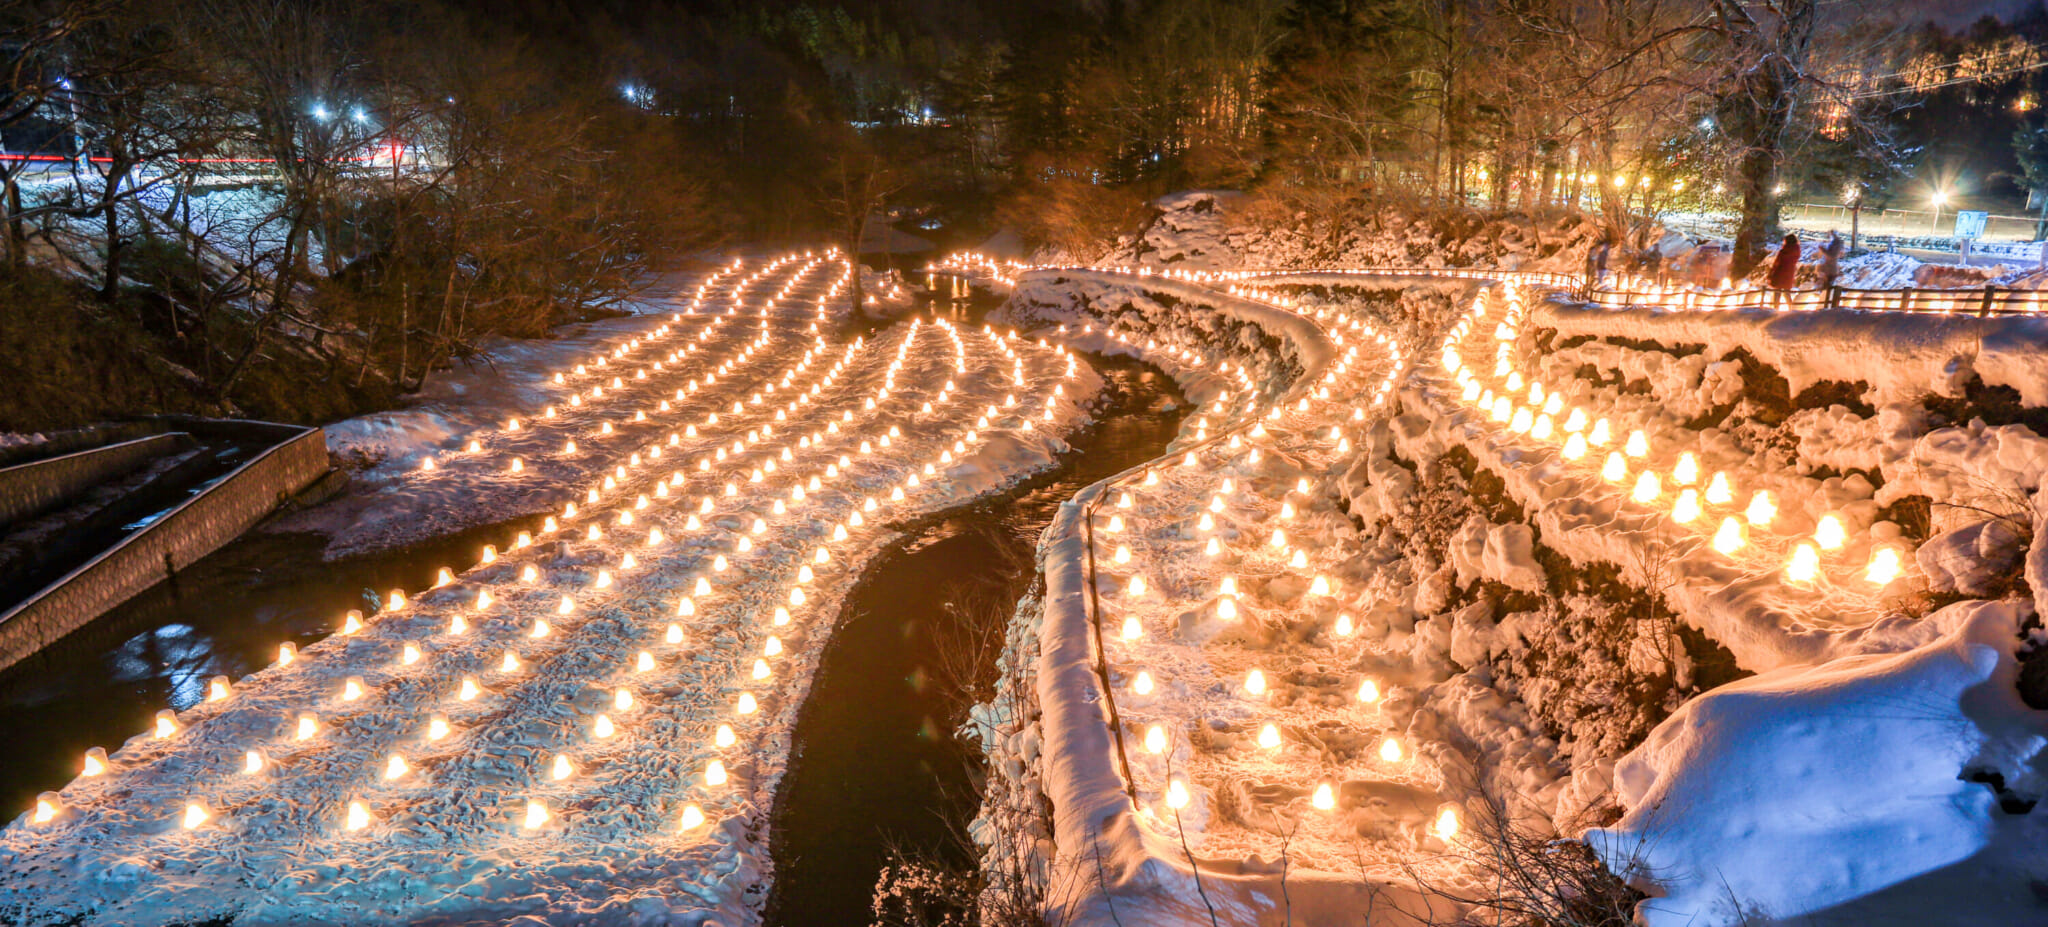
<point>1783,275</point>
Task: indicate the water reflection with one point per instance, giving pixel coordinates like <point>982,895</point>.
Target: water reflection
<point>223,616</point>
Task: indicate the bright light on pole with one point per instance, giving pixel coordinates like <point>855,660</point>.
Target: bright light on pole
<point>1940,200</point>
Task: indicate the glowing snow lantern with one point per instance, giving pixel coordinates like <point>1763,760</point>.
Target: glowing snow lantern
<point>536,815</point>
<point>195,815</point>
<point>1761,509</point>
<point>351,622</point>
<point>1884,566</point>
<point>468,691</point>
<point>437,728</point>
<point>1729,537</point>
<point>674,634</point>
<point>693,818</point>
<point>602,727</point>
<point>352,689</point>
<point>1133,628</point>
<point>1805,564</point>
<point>252,762</point>
<point>1368,692</point>
<point>1255,682</point>
<point>217,689</point>
<point>395,601</point>
<point>1177,795</point>
<point>1226,610</point>
<point>1325,798</point>
<point>1686,508</point>
<point>644,662</point>
<point>747,705</point>
<point>1829,534</point>
<point>95,762</point>
<point>443,577</point>
<point>1344,627</point>
<point>395,767</point>
<point>561,768</point>
<point>1638,444</point>
<point>1123,554</point>
<point>1142,683</point>
<point>1390,750</point>
<point>307,727</point>
<point>1155,739</point>
<point>1615,469</point>
<point>1269,737</point>
<point>1137,586</point>
<point>166,724</point>
<point>1321,586</point>
<point>285,653</point>
<point>1687,472</point>
<point>1719,492</point>
<point>1646,489</point>
<point>1299,561</point>
<point>1446,826</point>
<point>1600,434</point>
<point>510,664</point>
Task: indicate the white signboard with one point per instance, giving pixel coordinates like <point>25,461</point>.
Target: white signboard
<point>1970,224</point>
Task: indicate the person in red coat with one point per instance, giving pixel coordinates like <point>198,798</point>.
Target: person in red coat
<point>1785,269</point>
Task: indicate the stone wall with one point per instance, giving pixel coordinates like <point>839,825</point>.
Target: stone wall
<point>143,559</point>
<point>30,489</point>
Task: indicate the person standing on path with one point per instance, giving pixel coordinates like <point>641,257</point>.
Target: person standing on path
<point>1784,269</point>
<point>1596,264</point>
<point>1831,260</point>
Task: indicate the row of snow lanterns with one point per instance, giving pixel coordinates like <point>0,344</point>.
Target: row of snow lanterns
<point>396,766</point>
<point>1156,740</point>
<point>1536,418</point>
<point>306,725</point>
<point>596,363</point>
<point>1634,289</point>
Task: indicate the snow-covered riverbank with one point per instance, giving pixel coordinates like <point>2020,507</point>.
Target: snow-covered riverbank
<point>590,724</point>
<point>1453,653</point>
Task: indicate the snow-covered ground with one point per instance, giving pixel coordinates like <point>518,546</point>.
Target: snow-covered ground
<point>590,724</point>
<point>1802,491</point>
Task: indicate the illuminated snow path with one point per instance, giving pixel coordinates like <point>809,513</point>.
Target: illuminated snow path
<point>1255,642</point>
<point>589,725</point>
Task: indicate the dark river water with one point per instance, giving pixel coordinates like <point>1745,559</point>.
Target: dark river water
<point>875,766</point>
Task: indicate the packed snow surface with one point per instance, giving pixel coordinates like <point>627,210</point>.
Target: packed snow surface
<point>1238,661</point>
<point>589,725</point>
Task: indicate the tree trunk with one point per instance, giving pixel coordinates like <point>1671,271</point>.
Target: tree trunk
<point>1855,224</point>
<point>110,216</point>
<point>1756,178</point>
<point>17,234</point>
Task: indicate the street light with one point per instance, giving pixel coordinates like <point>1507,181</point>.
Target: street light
<point>1940,200</point>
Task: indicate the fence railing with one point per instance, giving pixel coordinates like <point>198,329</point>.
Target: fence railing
<point>1981,301</point>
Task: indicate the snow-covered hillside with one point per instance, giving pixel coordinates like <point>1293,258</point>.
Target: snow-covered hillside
<point>589,724</point>
<point>1347,645</point>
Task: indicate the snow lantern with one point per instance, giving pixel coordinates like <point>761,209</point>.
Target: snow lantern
<point>1805,564</point>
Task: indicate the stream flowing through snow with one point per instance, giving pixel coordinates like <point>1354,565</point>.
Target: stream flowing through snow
<point>876,765</point>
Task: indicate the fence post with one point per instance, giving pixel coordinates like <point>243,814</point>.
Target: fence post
<point>1984,311</point>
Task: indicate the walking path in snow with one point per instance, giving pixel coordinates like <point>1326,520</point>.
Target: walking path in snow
<point>1232,670</point>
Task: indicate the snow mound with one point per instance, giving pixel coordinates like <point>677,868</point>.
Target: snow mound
<point>1844,792</point>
